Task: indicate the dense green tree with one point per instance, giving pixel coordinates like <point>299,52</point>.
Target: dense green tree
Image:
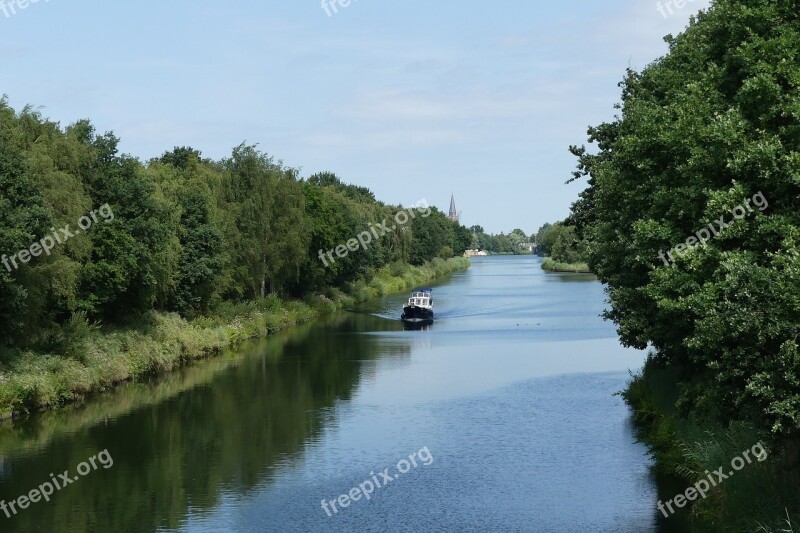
<point>135,255</point>
<point>462,239</point>
<point>702,131</point>
<point>327,229</point>
<point>561,243</point>
<point>431,235</point>
<point>267,203</point>
<point>202,254</point>
<point>541,249</point>
<point>181,157</point>
<point>23,219</point>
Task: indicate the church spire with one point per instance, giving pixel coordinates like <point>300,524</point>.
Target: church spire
<point>453,211</point>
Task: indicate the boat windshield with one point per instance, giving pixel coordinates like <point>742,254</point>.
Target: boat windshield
<point>420,298</point>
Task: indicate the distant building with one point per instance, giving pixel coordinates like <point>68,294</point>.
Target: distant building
<point>454,214</point>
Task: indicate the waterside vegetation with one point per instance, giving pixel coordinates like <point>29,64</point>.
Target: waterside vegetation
<point>194,256</point>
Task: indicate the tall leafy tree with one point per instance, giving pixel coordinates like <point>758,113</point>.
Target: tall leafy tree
<point>135,255</point>
<point>701,132</point>
<point>23,219</point>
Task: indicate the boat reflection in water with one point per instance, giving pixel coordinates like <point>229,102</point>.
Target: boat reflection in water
<point>419,325</point>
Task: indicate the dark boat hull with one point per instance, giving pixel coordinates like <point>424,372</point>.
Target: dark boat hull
<point>417,314</point>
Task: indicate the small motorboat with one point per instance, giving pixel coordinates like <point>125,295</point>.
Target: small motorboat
<point>419,308</point>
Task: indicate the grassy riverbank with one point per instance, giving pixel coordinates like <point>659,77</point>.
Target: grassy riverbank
<point>159,342</point>
<point>554,266</point>
<point>754,499</point>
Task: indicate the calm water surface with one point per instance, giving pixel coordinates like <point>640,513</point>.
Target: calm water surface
<point>511,392</point>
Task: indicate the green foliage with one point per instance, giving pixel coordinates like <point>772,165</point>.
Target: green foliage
<point>499,244</point>
<point>761,497</point>
<point>225,244</point>
<point>23,217</point>
<point>187,235</point>
<point>652,394</point>
<point>202,254</point>
<point>70,340</point>
<point>554,266</point>
<point>701,131</point>
<point>157,342</point>
<point>707,128</point>
<point>434,234</point>
<point>541,249</point>
<point>267,206</point>
<point>562,244</point>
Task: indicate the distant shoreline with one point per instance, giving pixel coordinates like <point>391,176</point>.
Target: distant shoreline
<point>565,268</point>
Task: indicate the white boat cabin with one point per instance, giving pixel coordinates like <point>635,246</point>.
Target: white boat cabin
<point>420,299</point>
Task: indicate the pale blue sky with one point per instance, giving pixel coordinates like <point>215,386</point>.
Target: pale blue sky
<point>413,99</point>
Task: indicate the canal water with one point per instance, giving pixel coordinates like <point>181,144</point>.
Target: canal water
<point>500,417</point>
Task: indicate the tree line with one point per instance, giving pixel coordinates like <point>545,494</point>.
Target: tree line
<point>188,233</point>
<point>507,244</point>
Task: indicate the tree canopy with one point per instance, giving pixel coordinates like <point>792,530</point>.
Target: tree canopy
<point>700,132</point>
<point>187,233</point>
